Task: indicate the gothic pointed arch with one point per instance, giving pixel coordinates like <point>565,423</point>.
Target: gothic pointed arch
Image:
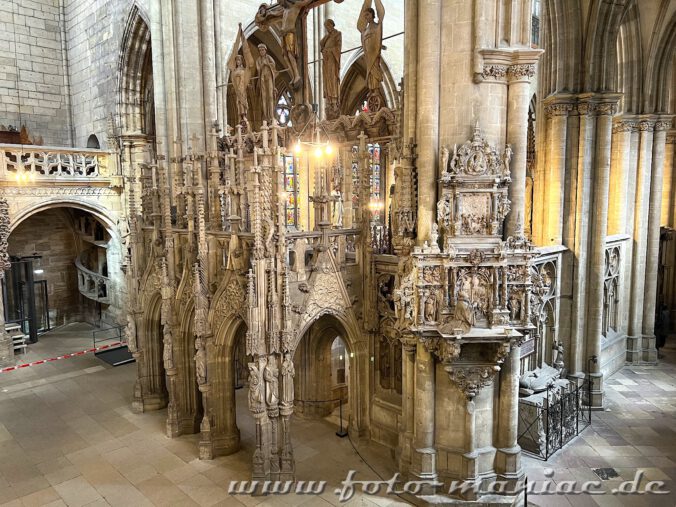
<point>136,104</point>
<point>353,89</point>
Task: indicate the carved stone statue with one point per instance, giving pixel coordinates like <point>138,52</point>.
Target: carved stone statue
<point>241,70</point>
<point>434,237</point>
<point>267,72</point>
<point>130,333</point>
<point>557,355</point>
<point>507,158</point>
<point>372,44</point>
<point>443,159</point>
<point>403,299</point>
<point>235,254</point>
<point>168,353</point>
<point>256,399</point>
<point>338,208</point>
<point>125,234</point>
<point>463,317</point>
<point>271,386</point>
<point>288,372</point>
<point>431,308</point>
<point>444,211</point>
<point>331,46</point>
<point>514,308</point>
<point>200,362</point>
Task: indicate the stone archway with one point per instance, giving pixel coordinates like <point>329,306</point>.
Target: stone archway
<point>224,354</point>
<point>320,333</point>
<point>150,390</point>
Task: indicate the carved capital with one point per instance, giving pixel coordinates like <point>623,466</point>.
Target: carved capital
<point>520,71</point>
<point>625,126</point>
<point>661,125</point>
<point>646,126</point>
<point>496,72</point>
<point>586,108</point>
<point>470,379</point>
<point>558,109</point>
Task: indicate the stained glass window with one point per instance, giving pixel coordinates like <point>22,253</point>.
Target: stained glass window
<point>291,187</point>
<point>375,181</point>
<point>283,111</point>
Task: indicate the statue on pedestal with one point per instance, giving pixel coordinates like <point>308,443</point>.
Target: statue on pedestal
<point>241,68</point>
<point>331,45</point>
<point>372,43</point>
<point>267,72</point>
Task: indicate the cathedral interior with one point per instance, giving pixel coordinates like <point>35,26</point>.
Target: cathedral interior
<point>247,247</point>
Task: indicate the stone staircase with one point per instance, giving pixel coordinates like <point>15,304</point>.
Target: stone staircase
<point>19,340</point>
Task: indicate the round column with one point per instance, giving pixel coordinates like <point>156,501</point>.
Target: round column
<point>427,114</point>
<point>653,241</point>
<point>508,460</point>
<point>641,207</point>
<point>517,136</point>
<point>424,460</point>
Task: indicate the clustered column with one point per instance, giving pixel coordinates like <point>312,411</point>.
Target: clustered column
<point>424,462</point>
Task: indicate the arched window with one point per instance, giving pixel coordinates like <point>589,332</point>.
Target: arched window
<point>338,362</point>
<point>283,110</point>
<point>93,142</point>
<point>292,189</point>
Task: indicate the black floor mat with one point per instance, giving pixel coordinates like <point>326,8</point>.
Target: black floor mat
<point>116,357</point>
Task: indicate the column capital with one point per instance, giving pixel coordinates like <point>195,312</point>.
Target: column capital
<point>598,103</point>
<point>521,72</point>
<point>559,104</point>
<point>663,123</point>
<point>625,124</point>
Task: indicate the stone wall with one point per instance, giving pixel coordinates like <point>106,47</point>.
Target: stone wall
<point>50,235</point>
<point>32,86</point>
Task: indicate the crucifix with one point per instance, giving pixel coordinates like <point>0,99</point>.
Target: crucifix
<point>290,17</point>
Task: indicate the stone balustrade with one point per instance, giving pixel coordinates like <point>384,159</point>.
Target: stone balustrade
<point>24,164</point>
<point>92,285</point>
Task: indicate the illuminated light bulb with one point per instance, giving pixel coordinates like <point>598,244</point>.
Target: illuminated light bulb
<point>18,177</point>
<point>297,148</point>
<point>318,152</point>
<point>329,149</point>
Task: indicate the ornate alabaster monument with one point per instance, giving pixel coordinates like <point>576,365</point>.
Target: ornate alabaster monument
<point>466,299</point>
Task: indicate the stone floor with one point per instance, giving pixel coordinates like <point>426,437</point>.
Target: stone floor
<point>68,437</point>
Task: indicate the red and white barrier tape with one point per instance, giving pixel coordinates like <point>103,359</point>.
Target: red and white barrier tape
<point>65,356</point>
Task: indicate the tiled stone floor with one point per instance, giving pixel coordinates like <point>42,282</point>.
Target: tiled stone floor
<point>68,437</point>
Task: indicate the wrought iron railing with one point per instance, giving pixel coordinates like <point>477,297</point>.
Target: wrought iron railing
<point>545,428</point>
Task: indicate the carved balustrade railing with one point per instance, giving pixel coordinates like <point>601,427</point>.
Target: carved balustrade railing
<point>91,284</point>
<point>24,164</point>
<point>342,242</point>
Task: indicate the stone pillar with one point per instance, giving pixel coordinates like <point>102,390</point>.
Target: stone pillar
<point>407,428</point>
<point>427,114</point>
<point>649,352</point>
<point>557,109</point>
<point>619,175</point>
<point>508,457</point>
<point>519,76</point>
<point>641,208</point>
<point>604,106</point>
<point>424,459</point>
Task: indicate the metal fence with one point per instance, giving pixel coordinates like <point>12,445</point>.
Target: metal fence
<point>564,414</point>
